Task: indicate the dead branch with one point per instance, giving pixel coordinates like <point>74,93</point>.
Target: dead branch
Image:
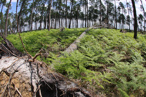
<point>24,46</point>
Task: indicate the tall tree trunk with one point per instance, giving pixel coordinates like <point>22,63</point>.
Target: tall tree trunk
<point>70,15</point>
<point>135,19</point>
<point>59,12</point>
<point>87,13</point>
<point>100,14</point>
<point>45,22</point>
<point>129,26</point>
<point>115,14</point>
<point>66,15</point>
<point>6,22</point>
<point>77,19</point>
<point>55,21</point>
<point>35,25</point>
<point>70,21</point>
<point>23,3</point>
<point>144,23</point>
<point>143,14</point>
<point>49,15</point>
<point>17,16</point>
<point>1,18</point>
<point>107,15</point>
<point>128,13</point>
<point>31,21</point>
<point>41,20</point>
<point>85,17</point>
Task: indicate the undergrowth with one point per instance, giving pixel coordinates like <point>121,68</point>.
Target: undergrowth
<point>106,60</point>
<point>52,40</point>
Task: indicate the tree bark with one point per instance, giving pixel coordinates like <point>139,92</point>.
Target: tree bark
<point>1,17</point>
<point>49,21</point>
<point>70,15</point>
<point>55,21</point>
<point>135,19</point>
<point>100,14</point>
<point>17,16</point>
<point>143,14</point>
<point>23,3</point>
<point>77,20</point>
<point>6,22</point>
<point>107,16</point>
<point>66,15</point>
<point>31,21</point>
<point>115,14</point>
<point>87,15</point>
<point>41,20</point>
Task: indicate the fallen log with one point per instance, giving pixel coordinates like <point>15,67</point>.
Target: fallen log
<point>20,77</point>
<point>36,78</point>
<point>73,46</point>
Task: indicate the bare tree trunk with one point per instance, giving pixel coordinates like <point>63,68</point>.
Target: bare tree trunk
<point>49,15</point>
<point>85,17</point>
<point>44,22</point>
<point>31,21</point>
<point>144,25</point>
<point>77,21</point>
<point>6,23</point>
<point>36,25</point>
<point>66,15</point>
<point>129,26</point>
<point>135,19</point>
<point>143,14</point>
<point>100,14</point>
<point>41,20</point>
<point>55,21</point>
<point>107,15</point>
<point>1,18</point>
<point>70,23</point>
<point>17,15</point>
<point>23,3</point>
<point>87,14</point>
<point>71,15</point>
<point>115,15</point>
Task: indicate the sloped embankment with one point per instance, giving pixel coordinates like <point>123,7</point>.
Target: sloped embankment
<point>109,62</point>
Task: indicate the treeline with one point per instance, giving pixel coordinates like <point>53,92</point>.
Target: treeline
<point>46,14</point>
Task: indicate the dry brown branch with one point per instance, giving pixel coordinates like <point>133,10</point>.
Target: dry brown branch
<point>24,46</point>
<point>8,50</point>
<point>36,55</point>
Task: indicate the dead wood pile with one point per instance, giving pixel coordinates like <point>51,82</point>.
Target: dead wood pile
<point>20,77</point>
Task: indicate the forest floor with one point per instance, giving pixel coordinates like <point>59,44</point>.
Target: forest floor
<point>106,62</point>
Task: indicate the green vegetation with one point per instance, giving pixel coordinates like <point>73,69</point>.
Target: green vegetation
<point>106,60</point>
<point>52,40</point>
